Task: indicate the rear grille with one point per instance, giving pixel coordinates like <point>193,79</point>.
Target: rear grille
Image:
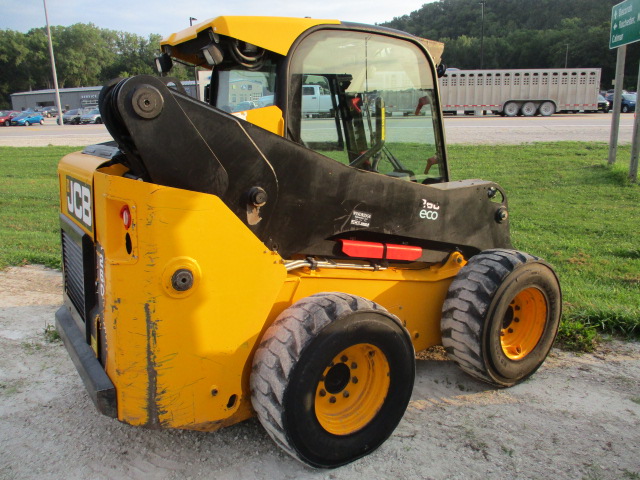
<point>74,280</point>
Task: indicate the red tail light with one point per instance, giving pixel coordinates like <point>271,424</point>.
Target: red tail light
<point>125,215</point>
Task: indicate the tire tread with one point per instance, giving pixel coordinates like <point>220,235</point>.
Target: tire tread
<point>282,343</point>
<point>468,300</point>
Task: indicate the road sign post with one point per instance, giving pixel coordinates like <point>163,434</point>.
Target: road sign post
<point>615,108</point>
<point>633,166</point>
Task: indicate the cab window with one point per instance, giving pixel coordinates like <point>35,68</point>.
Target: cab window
<point>366,100</point>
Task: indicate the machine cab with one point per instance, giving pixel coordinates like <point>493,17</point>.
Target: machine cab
<point>373,106</point>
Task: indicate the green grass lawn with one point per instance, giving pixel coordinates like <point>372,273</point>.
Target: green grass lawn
<point>29,225</point>
<point>565,205</point>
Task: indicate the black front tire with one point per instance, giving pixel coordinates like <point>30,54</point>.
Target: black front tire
<point>501,316</point>
<point>307,365</point>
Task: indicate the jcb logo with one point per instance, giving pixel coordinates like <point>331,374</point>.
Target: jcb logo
<point>79,201</point>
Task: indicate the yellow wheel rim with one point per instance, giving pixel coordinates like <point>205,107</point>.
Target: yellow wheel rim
<point>352,389</point>
<point>523,323</point>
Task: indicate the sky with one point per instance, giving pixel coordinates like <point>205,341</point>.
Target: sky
<point>164,17</point>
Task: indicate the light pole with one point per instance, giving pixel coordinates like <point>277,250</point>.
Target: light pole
<point>53,66</point>
<point>482,37</point>
<point>195,69</point>
<point>566,56</point>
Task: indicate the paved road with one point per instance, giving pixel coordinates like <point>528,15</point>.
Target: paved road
<point>459,129</point>
<point>568,127</point>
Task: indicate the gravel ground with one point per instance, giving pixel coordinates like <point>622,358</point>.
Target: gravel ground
<point>577,418</point>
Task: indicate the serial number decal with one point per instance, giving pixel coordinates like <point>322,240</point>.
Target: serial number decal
<point>429,210</point>
<point>360,219</point>
<point>79,201</point>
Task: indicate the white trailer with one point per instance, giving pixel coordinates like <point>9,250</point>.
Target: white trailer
<point>520,91</point>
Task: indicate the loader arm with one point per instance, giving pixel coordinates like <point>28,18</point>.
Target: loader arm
<point>291,197</point>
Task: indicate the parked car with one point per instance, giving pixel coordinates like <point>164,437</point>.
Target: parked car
<point>603,104</point>
<point>6,116</point>
<point>628,102</point>
<point>242,106</point>
<point>27,119</point>
<point>50,112</point>
<point>265,101</point>
<point>72,117</point>
<point>93,116</point>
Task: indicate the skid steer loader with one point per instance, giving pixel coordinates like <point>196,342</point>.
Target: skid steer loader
<point>223,262</point>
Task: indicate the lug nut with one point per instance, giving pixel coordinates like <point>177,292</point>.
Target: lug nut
<point>345,394</point>
<point>354,365</point>
<point>354,380</point>
<point>332,399</point>
<point>322,393</point>
<point>343,359</point>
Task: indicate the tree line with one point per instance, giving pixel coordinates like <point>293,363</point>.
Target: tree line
<point>85,56</point>
<point>523,34</point>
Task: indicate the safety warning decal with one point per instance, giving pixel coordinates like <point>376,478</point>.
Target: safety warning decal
<point>360,219</point>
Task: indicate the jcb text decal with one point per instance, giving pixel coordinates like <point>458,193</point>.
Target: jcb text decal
<point>79,201</point>
<point>429,210</point>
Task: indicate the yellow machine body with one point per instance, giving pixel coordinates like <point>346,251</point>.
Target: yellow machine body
<point>274,251</point>
<point>183,359</point>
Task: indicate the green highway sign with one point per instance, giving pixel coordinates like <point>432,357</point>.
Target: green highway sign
<point>625,23</point>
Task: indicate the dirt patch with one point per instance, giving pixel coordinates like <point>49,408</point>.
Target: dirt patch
<point>577,418</point>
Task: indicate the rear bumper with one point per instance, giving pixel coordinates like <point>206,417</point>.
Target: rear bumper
<point>98,385</point>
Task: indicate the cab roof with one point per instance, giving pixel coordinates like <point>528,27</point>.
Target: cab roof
<point>276,34</point>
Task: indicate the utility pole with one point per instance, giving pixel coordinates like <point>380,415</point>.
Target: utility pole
<point>482,36</point>
<point>566,57</point>
<point>53,66</point>
<point>195,69</point>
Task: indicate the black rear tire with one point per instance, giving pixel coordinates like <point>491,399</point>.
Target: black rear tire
<point>501,316</point>
<point>332,378</point>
